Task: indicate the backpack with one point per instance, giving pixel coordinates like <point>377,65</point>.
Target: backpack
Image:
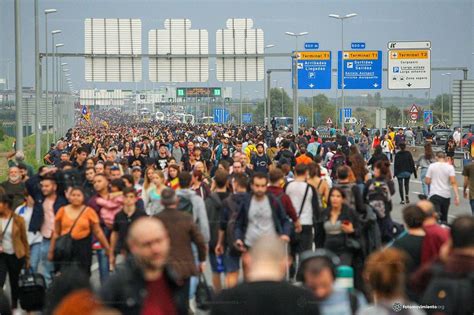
<point>285,158</point>
<point>335,163</point>
<point>378,196</point>
<point>453,291</point>
<point>185,205</point>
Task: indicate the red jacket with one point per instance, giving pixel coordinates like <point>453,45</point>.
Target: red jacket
<point>278,192</point>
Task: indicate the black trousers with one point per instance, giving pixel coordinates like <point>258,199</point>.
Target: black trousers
<point>403,182</point>
<point>183,294</point>
<point>304,242</point>
<point>442,206</point>
<point>11,265</point>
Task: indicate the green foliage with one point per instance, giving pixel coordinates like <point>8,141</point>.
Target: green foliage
<point>394,115</point>
<point>441,102</point>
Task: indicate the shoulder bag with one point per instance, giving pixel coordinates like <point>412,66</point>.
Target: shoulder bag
<point>64,243</point>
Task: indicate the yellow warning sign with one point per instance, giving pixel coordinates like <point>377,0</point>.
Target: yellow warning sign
<point>314,55</point>
<point>361,55</point>
<point>409,54</point>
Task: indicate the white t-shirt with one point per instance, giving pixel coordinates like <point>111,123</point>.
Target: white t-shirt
<point>26,213</point>
<point>7,231</point>
<point>439,172</point>
<point>295,190</point>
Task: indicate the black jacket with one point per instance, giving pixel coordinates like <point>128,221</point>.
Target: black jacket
<point>280,219</point>
<point>404,163</point>
<point>126,289</point>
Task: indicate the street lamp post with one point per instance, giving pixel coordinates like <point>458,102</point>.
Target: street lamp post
<point>18,81</point>
<point>342,18</point>
<point>266,105</point>
<point>208,96</point>
<point>53,75</point>
<point>449,100</point>
<point>281,88</point>
<point>46,12</point>
<point>295,80</point>
<point>56,90</point>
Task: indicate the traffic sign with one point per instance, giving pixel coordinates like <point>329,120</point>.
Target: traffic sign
<point>414,116</point>
<point>247,118</point>
<point>409,44</point>
<point>221,115</point>
<point>362,70</point>
<point>329,121</point>
<point>428,117</point>
<point>358,45</point>
<point>414,109</point>
<point>302,120</point>
<point>314,70</point>
<point>409,65</point>
<point>347,113</point>
<point>350,120</point>
<point>311,46</point>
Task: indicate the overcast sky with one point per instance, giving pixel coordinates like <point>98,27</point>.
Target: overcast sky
<point>448,24</point>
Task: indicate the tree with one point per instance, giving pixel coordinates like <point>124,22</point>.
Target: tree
<point>394,115</point>
<point>277,96</point>
<point>377,99</point>
<point>441,103</point>
<point>323,109</point>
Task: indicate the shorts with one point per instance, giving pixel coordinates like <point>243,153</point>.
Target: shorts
<point>231,263</point>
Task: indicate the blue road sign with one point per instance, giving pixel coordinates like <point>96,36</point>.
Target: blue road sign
<point>358,45</point>
<point>362,70</point>
<point>347,113</point>
<point>311,46</point>
<point>314,70</point>
<point>221,115</point>
<point>302,120</point>
<point>428,117</point>
<point>247,118</point>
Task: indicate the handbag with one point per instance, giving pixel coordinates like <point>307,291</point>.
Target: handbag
<point>64,243</point>
<point>204,294</point>
<point>31,290</point>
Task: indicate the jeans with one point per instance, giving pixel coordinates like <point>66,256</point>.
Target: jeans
<point>442,206</point>
<point>193,280</point>
<point>388,155</point>
<point>48,266</point>
<point>12,266</point>
<point>103,261</point>
<point>403,182</point>
<point>35,256</point>
<point>472,206</point>
<point>424,186</point>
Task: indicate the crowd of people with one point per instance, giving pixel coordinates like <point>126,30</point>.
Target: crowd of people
<point>275,216</point>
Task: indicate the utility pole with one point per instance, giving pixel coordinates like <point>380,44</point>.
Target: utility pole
<point>18,81</point>
<point>37,122</point>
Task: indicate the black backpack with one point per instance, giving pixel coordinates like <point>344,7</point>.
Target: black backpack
<point>454,292</point>
<point>378,197</point>
<point>185,205</point>
<point>348,191</point>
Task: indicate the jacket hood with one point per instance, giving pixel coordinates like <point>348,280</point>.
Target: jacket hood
<point>187,193</point>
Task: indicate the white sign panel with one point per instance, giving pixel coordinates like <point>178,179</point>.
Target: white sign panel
<point>240,38</point>
<point>113,37</point>
<point>178,39</point>
<point>409,69</point>
<point>409,45</point>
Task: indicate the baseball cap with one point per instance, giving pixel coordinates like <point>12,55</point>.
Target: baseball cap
<point>136,168</point>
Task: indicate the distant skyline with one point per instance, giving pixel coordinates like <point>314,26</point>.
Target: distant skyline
<point>448,24</point>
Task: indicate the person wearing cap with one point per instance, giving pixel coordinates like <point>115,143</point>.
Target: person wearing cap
<point>260,161</point>
<point>318,270</point>
<point>182,232</point>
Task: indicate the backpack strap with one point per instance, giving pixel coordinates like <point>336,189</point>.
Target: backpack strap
<point>304,199</point>
<point>354,302</point>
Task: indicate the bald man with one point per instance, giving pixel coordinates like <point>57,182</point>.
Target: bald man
<point>435,235</point>
<point>265,291</point>
<point>144,284</point>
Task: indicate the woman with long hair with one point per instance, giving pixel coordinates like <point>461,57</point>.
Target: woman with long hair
<point>384,273</point>
<point>377,156</point>
<point>173,174</point>
<point>126,150</point>
<point>14,248</point>
<point>147,184</point>
<point>423,163</point>
<point>318,183</point>
<point>340,227</point>
<point>81,222</point>
<point>404,166</point>
<point>153,203</point>
<point>358,166</point>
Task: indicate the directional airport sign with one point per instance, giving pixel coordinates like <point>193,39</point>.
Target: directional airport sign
<point>314,70</point>
<point>347,113</point>
<point>409,45</point>
<point>221,115</point>
<point>311,46</point>
<point>358,45</point>
<point>428,117</point>
<point>350,120</point>
<point>247,118</point>
<point>362,70</point>
<point>409,68</point>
